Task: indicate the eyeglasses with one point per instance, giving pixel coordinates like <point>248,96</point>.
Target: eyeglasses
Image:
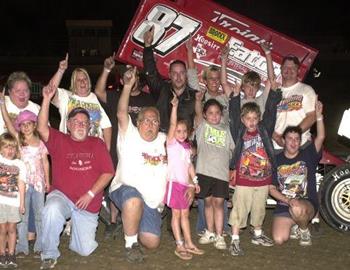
<point>80,123</point>
<point>148,121</point>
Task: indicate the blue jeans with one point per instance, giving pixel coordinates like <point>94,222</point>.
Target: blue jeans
<point>58,208</point>
<point>201,222</point>
<point>37,200</point>
<point>151,220</point>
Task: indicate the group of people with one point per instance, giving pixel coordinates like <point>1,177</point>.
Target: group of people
<point>162,147</point>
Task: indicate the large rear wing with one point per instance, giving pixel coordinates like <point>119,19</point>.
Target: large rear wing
<point>211,26</point>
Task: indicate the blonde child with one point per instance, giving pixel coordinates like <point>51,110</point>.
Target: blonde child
<point>34,155</point>
<point>250,83</point>
<point>180,186</point>
<point>215,146</point>
<point>12,192</point>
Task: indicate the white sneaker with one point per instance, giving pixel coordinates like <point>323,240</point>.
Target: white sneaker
<point>207,238</point>
<point>220,242</point>
<point>294,232</point>
<point>305,238</point>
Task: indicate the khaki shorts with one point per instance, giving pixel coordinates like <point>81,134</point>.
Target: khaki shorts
<point>9,214</point>
<point>247,200</point>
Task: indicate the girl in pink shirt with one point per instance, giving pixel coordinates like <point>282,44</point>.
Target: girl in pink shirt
<point>180,186</point>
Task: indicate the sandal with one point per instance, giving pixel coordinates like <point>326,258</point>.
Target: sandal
<point>183,254</point>
<point>195,250</point>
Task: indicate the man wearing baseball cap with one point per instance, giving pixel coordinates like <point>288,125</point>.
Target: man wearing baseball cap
<point>81,168</point>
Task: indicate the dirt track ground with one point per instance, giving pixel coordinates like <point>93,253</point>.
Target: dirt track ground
<point>330,251</point>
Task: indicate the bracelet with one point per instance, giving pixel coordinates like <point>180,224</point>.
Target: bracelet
<point>107,69</point>
<point>195,180</point>
<point>267,52</point>
<point>60,71</point>
<point>191,186</point>
<point>91,194</point>
<point>320,118</point>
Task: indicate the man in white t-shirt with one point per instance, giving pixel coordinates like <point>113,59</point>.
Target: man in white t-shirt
<point>297,107</point>
<point>18,86</point>
<point>139,185</point>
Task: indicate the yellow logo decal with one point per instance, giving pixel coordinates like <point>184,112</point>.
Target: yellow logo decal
<point>217,35</point>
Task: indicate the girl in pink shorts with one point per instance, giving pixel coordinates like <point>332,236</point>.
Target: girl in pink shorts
<point>181,184</point>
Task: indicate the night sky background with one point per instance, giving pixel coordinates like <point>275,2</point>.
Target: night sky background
<point>38,27</point>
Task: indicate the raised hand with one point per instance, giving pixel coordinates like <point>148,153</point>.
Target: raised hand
<point>63,65</point>
<point>175,100</point>
<point>109,62</point>
<point>49,91</point>
<point>129,76</point>
<point>318,108</point>
<point>199,95</point>
<point>273,84</point>
<point>236,89</point>
<point>148,37</point>
<point>266,47</point>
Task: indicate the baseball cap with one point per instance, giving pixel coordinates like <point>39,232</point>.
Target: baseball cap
<point>77,110</point>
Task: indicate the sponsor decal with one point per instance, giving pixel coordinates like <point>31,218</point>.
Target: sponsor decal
<point>217,35</point>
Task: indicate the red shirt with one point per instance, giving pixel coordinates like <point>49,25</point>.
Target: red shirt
<point>254,168</point>
<point>76,165</point>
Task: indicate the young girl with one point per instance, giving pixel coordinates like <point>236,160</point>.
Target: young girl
<point>180,186</point>
<point>214,149</point>
<point>12,189</point>
<point>34,154</point>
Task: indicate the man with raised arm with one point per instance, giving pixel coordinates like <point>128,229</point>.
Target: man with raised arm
<point>81,168</point>
<point>139,185</point>
<point>163,90</point>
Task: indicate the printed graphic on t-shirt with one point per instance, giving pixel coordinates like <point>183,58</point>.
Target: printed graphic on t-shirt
<point>154,160</point>
<point>292,179</point>
<point>94,112</point>
<point>9,180</point>
<point>293,103</point>
<point>134,109</point>
<point>254,164</point>
<point>13,117</point>
<point>80,161</point>
<point>214,136</point>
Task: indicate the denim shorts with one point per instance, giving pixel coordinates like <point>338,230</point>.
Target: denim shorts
<point>151,220</point>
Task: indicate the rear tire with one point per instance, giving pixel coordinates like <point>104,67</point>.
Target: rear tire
<point>335,198</point>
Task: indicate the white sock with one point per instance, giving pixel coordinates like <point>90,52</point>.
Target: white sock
<point>235,237</point>
<point>129,240</point>
<point>315,220</point>
<point>304,230</point>
<point>257,232</point>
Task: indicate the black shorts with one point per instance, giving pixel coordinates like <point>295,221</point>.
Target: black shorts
<point>211,186</point>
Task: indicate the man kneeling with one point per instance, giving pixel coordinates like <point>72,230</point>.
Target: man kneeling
<point>81,168</point>
<point>295,184</point>
<point>139,185</point>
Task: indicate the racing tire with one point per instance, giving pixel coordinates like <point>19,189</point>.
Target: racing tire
<point>335,198</point>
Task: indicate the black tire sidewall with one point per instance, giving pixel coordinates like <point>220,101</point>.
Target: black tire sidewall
<point>329,183</point>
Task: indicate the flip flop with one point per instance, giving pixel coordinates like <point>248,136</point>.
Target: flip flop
<point>195,251</point>
<point>183,255</point>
